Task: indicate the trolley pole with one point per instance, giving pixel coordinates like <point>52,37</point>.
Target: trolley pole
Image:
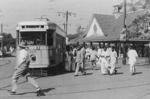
<point>124,26</point>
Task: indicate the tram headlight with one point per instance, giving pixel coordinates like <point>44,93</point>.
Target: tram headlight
<point>33,57</point>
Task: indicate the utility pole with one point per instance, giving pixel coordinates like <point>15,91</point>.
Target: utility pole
<point>124,19</point>
<point>64,26</point>
<point>66,14</point>
<point>124,26</point>
<point>1,28</point>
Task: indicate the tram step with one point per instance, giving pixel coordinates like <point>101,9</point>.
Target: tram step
<point>39,72</point>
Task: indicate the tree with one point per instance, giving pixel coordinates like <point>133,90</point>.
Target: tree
<point>140,26</point>
<point>136,5</point>
<point>8,40</point>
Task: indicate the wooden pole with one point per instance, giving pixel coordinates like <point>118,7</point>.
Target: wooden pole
<point>124,43</point>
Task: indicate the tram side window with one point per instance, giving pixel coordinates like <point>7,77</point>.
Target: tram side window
<point>50,38</point>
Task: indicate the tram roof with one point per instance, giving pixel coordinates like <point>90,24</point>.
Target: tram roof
<point>36,23</point>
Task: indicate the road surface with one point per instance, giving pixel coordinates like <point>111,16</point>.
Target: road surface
<point>90,86</point>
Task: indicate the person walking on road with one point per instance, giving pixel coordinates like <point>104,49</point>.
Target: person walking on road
<point>79,62</point>
<point>22,69</point>
<point>93,55</point>
<point>113,58</point>
<point>132,55</point>
<point>105,56</point>
<point>83,52</point>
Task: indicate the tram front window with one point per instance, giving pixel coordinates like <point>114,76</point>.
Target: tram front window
<point>33,38</point>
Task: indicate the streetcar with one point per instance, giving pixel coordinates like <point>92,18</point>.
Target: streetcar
<point>46,42</point>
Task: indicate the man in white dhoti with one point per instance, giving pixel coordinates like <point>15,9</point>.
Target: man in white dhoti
<point>104,61</point>
<point>132,55</point>
<point>113,58</point>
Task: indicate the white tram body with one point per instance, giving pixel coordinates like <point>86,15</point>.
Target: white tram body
<point>46,42</point>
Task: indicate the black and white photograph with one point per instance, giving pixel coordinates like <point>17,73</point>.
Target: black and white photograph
<point>74,49</point>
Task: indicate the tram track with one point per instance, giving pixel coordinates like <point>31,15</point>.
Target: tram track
<point>6,62</point>
<point>100,89</point>
<point>73,85</point>
<point>85,84</point>
<point>82,91</point>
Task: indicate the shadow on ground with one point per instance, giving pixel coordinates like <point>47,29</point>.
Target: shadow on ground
<point>119,73</point>
<point>136,73</point>
<point>87,74</point>
<point>44,90</point>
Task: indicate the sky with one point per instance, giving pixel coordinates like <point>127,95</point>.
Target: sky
<point>15,11</point>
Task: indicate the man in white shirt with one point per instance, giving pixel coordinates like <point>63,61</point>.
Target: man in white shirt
<point>105,55</point>
<point>22,69</point>
<point>79,62</point>
<point>132,55</point>
<point>93,56</point>
<point>113,58</point>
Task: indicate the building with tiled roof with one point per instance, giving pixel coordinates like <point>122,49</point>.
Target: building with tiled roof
<point>108,27</point>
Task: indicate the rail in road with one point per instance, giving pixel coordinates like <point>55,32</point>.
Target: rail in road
<point>88,84</point>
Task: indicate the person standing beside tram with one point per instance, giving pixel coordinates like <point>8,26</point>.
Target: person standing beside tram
<point>22,69</point>
<point>132,55</point>
<point>68,58</point>
<point>74,52</point>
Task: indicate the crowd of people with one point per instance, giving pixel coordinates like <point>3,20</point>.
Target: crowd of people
<point>103,57</point>
<point>77,56</point>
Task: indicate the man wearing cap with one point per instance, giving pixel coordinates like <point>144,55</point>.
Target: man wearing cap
<point>22,69</point>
